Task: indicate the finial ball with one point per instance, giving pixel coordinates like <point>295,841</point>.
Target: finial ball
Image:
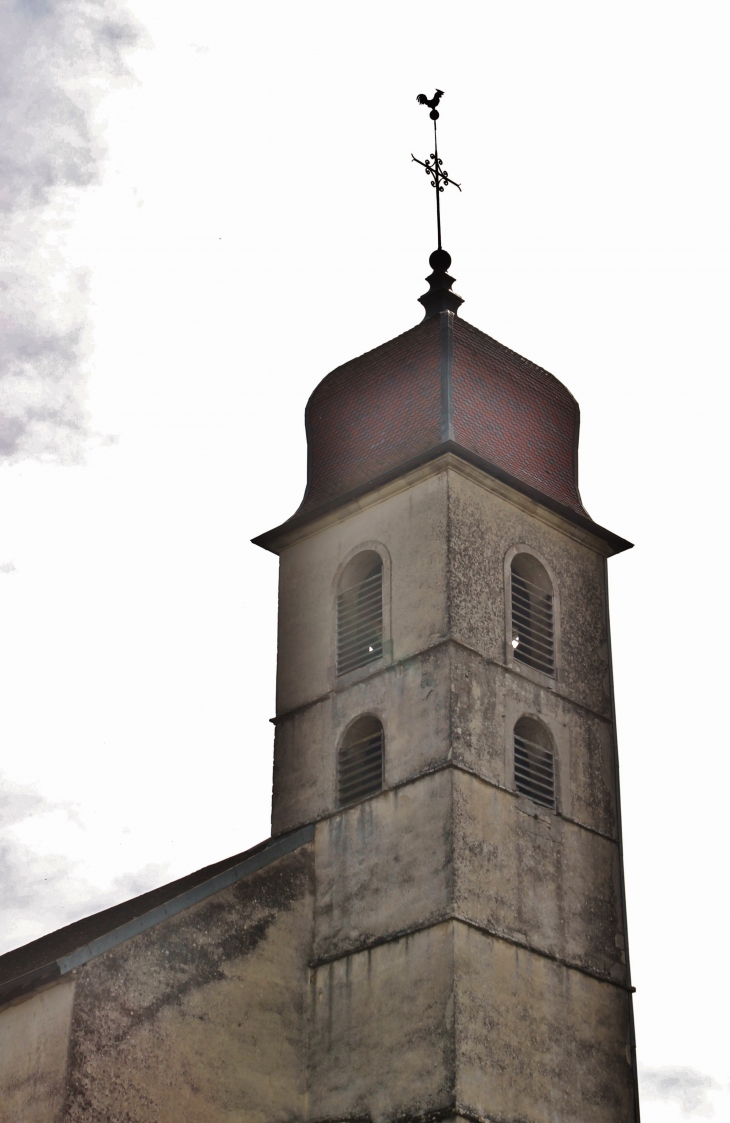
<point>434,114</point>
<point>440,261</point>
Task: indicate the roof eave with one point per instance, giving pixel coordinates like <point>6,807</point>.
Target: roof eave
<point>280,536</point>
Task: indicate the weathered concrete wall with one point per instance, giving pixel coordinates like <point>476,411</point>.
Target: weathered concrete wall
<point>33,1050</point>
<point>412,526</point>
<point>384,866</point>
<point>535,1040</point>
<point>450,843</point>
<point>412,700</point>
<point>451,1017</point>
<point>486,703</point>
<point>483,527</point>
<point>203,1017</point>
<point>383,1031</point>
<point>532,876</point>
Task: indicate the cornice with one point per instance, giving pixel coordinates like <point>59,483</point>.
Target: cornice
<point>440,458</point>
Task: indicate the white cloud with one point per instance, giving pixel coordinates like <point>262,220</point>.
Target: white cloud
<point>58,58</point>
<point>44,891</point>
<point>683,1086</point>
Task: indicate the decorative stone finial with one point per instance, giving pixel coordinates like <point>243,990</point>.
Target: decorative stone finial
<point>439,297</point>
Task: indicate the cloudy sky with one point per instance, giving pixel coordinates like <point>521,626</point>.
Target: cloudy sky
<point>205,208</point>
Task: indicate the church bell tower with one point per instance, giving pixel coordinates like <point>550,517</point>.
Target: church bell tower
<point>436,929</point>
<point>445,722</point>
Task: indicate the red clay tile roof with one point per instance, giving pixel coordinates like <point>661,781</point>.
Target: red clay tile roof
<point>374,413</point>
<point>384,408</point>
<point>515,415</point>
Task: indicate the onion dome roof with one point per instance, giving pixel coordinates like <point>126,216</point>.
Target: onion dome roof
<point>444,386</point>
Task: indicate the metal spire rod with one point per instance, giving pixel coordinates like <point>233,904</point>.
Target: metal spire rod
<point>439,189</point>
<point>439,177</point>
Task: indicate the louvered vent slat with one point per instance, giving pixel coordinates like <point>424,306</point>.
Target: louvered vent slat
<point>361,768</point>
<point>534,771</point>
<point>360,623</point>
<point>533,625</point>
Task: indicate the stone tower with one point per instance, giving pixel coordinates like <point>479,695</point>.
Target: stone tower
<point>436,929</point>
<point>470,942</point>
<point>445,720</point>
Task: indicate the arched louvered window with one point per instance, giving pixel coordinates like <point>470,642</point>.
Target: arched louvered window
<point>533,618</point>
<point>360,761</point>
<point>360,612</point>
<point>534,762</point>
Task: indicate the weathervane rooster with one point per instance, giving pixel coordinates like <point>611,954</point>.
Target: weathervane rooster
<point>423,100</point>
<point>434,168</point>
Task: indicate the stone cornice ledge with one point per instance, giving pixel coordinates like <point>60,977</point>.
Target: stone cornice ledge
<point>412,656</point>
<point>438,459</point>
<point>433,770</point>
<point>483,930</point>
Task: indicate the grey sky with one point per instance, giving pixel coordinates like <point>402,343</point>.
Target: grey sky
<point>44,891</point>
<point>57,60</point>
<point>680,1085</point>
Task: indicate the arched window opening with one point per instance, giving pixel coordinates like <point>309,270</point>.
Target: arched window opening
<point>360,761</point>
<point>360,613</point>
<point>533,622</point>
<point>534,762</point>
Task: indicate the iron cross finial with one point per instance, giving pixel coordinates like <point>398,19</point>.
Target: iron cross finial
<point>434,166</point>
